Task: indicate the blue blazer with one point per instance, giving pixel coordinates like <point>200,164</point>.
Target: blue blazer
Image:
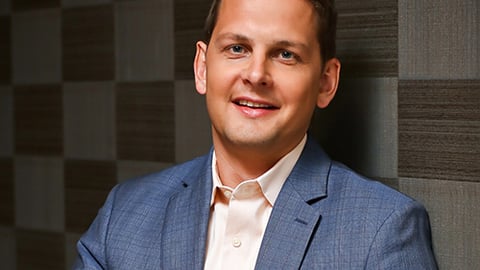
<point>325,217</point>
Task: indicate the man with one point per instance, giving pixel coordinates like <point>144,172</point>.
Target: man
<point>266,196</point>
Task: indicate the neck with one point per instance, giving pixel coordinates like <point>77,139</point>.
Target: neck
<point>236,164</point>
<point>233,169</point>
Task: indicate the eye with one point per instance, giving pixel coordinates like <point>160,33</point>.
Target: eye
<point>286,55</point>
<point>236,49</point>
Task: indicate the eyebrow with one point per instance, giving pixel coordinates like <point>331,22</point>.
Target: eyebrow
<point>232,36</point>
<point>280,43</point>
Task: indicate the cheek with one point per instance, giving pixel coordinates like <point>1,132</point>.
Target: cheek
<point>301,92</point>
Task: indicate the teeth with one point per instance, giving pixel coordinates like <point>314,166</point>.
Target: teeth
<point>252,104</point>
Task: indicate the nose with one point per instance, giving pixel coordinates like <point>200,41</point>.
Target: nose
<point>258,71</point>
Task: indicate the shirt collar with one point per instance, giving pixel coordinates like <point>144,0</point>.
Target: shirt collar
<point>271,181</point>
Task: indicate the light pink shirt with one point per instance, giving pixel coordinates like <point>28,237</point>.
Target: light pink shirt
<point>238,217</point>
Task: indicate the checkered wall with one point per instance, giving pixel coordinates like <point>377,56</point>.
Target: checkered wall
<point>93,92</point>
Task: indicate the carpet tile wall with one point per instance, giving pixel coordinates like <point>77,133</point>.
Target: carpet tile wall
<point>39,193</point>
<point>144,120</point>
<point>38,119</point>
<point>41,63</point>
<point>439,129</point>
<point>439,122</point>
<point>7,206</point>
<point>87,184</point>
<point>367,37</point>
<point>40,250</point>
<point>95,92</point>
<point>22,5</point>
<point>88,50</point>
<point>6,121</point>
<point>189,18</point>
<point>439,39</point>
<point>146,54</point>
<point>5,67</point>
<point>89,120</point>
<point>453,208</point>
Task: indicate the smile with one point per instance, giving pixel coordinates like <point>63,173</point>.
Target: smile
<point>254,105</point>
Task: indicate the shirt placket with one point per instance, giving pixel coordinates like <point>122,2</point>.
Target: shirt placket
<point>243,227</point>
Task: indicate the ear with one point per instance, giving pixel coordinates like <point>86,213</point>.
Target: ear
<point>329,82</point>
<point>200,67</point>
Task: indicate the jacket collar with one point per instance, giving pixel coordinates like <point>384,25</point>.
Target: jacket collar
<point>186,223</point>
<point>296,215</point>
<point>293,220</point>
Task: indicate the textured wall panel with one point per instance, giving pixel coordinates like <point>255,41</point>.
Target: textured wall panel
<point>6,121</point>
<point>367,39</point>
<point>7,248</point>
<point>21,5</point>
<point>5,7</point>
<point>71,253</point>
<point>359,128</point>
<point>128,169</point>
<point>145,121</point>
<point>40,250</point>
<point>88,43</point>
<point>192,125</point>
<point>41,62</point>
<point>38,120</point>
<point>7,206</point>
<point>5,50</point>
<point>89,120</point>
<point>439,39</point>
<point>453,210</point>
<point>439,129</point>
<point>39,193</point>
<point>189,20</point>
<point>87,184</point>
<point>79,3</point>
<point>145,55</point>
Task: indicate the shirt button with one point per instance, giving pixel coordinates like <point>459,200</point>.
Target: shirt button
<point>236,242</point>
<point>227,194</point>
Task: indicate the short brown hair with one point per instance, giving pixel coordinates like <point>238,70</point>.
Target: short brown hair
<point>326,32</point>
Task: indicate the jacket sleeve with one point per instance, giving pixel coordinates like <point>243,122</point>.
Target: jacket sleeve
<point>403,241</point>
<point>91,247</point>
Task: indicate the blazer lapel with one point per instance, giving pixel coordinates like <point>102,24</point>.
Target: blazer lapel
<point>186,221</point>
<point>294,217</point>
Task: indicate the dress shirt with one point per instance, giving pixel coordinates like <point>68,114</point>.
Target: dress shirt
<point>239,216</point>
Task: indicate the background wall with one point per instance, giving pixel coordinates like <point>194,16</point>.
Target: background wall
<point>93,92</point>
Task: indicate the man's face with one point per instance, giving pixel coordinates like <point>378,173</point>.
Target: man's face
<point>261,73</point>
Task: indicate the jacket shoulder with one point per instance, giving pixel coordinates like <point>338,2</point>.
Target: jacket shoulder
<point>164,183</point>
<point>365,196</point>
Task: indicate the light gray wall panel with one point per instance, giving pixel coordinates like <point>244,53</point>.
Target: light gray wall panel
<point>40,63</point>
<point>192,129</point>
<point>89,120</point>
<point>439,39</point>
<point>454,216</point>
<point>144,40</point>
<point>7,248</point>
<point>39,193</point>
<point>4,7</point>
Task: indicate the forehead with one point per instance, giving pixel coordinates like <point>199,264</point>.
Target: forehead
<point>295,19</point>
